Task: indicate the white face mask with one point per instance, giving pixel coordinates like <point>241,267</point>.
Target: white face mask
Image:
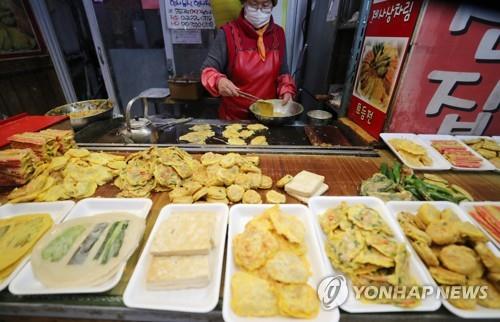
<point>256,17</point>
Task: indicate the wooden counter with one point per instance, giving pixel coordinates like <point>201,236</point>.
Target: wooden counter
<point>343,175</point>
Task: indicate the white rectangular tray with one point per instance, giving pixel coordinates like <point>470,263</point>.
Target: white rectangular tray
<point>25,283</point>
<point>239,215</point>
<point>464,138</point>
<point>319,205</point>
<point>396,207</point>
<point>468,206</point>
<point>438,161</point>
<point>485,165</point>
<point>197,300</point>
<point>57,210</point>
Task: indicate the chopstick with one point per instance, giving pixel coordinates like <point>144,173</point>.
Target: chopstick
<point>249,96</point>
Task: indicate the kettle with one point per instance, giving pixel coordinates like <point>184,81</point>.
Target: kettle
<point>141,129</point>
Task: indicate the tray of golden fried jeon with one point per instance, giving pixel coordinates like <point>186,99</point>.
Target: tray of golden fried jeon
<point>273,265</point>
<point>456,253</point>
<point>180,266</point>
<point>360,239</point>
<point>21,226</point>
<point>88,251</point>
<point>414,153</point>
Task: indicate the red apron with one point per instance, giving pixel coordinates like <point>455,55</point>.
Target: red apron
<point>249,72</point>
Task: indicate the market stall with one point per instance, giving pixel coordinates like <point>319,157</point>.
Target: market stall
<point>342,174</point>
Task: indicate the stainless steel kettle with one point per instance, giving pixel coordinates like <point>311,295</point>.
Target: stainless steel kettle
<point>141,129</point>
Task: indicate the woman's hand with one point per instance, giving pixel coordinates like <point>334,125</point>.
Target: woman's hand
<point>227,88</point>
<point>287,97</point>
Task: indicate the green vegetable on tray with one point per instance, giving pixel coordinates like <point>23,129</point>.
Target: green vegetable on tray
<point>400,183</point>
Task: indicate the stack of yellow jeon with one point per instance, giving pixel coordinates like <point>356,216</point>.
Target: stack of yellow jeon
<point>361,245</point>
<point>18,235</point>
<point>414,154</point>
<point>74,175</point>
<point>455,253</point>
<point>229,178</point>
<point>181,252</point>
<point>488,148</point>
<point>274,270</point>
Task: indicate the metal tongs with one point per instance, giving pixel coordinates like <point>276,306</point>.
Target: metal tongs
<point>164,124</point>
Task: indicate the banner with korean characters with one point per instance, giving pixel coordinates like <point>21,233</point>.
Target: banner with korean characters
<point>388,33</point>
<point>451,83</point>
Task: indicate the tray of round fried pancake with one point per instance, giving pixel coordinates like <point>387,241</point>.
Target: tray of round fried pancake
<point>88,251</point>
<point>273,266</point>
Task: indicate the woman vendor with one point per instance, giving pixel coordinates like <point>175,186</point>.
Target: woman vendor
<point>249,55</point>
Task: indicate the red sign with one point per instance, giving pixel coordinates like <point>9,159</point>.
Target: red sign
<point>390,27</point>
<point>451,83</point>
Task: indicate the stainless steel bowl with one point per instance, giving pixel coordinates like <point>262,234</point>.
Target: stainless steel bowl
<point>284,113</point>
<point>319,117</point>
<point>80,122</point>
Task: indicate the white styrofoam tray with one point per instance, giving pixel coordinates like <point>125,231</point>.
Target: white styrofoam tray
<point>438,161</point>
<point>485,164</point>
<point>468,206</point>
<point>395,207</point>
<point>197,300</point>
<point>319,205</point>
<point>239,215</point>
<point>57,210</point>
<point>25,283</point>
<point>464,138</point>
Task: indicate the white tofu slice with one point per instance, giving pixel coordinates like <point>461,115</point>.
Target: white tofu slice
<point>178,272</point>
<point>304,184</point>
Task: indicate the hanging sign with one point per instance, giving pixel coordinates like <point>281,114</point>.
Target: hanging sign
<point>451,83</point>
<point>388,33</point>
<point>189,14</point>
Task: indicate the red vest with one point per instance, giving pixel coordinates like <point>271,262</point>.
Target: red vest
<point>247,70</point>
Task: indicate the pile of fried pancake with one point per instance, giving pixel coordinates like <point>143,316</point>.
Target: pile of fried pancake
<point>229,178</point>
<point>362,245</point>
<point>455,252</point>
<point>74,175</point>
<point>273,268</point>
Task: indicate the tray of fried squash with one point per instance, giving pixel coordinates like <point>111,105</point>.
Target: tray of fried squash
<point>457,254</point>
<point>273,265</point>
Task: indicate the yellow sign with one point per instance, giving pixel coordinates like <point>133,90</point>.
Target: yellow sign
<point>225,11</point>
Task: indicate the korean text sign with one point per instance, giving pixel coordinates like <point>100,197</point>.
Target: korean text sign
<point>388,32</point>
<point>189,14</point>
<point>452,79</point>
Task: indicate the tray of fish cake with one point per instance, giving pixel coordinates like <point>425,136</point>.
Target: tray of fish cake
<point>362,241</point>
<point>21,226</point>
<point>180,266</point>
<point>486,146</point>
<point>457,254</point>
<point>413,152</point>
<point>458,154</point>
<point>88,251</point>
<point>273,266</point>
